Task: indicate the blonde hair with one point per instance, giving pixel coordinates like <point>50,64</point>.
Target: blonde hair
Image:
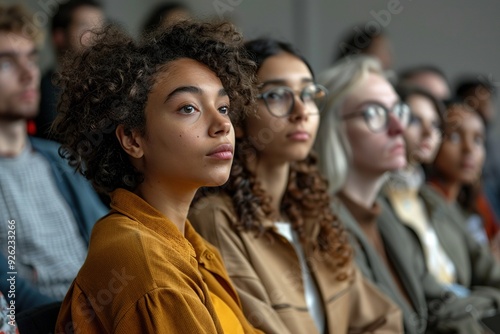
<point>18,20</point>
<point>331,143</point>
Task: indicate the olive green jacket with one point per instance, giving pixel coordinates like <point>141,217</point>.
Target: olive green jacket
<point>475,267</point>
<point>433,309</point>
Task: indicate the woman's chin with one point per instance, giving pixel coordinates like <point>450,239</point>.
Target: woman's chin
<point>217,179</point>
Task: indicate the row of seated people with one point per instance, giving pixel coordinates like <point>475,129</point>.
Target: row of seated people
<point>154,123</point>
<point>74,17</point>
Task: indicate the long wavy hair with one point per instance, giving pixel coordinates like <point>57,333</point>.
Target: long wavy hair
<point>306,199</point>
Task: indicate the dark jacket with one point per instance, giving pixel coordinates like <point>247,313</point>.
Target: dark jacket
<point>435,310</point>
<point>475,267</point>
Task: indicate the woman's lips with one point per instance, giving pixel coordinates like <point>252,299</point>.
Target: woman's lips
<point>398,148</point>
<point>29,95</point>
<point>299,136</point>
<point>468,165</point>
<point>222,152</point>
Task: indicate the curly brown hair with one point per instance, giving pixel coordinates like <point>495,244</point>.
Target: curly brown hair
<point>306,199</point>
<point>109,82</point>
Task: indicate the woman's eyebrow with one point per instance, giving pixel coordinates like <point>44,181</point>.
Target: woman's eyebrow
<point>15,54</point>
<point>192,90</point>
<point>282,82</point>
<point>183,89</point>
<point>222,92</point>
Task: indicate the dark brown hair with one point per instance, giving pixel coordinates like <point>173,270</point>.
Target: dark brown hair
<point>109,82</point>
<point>64,14</point>
<point>468,194</point>
<point>306,201</point>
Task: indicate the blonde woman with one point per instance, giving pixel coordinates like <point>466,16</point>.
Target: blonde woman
<point>361,139</point>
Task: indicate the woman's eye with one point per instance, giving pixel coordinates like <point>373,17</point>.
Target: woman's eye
<point>189,109</point>
<point>308,94</point>
<point>224,110</point>
<point>479,140</point>
<point>275,96</point>
<point>415,120</point>
<point>5,65</point>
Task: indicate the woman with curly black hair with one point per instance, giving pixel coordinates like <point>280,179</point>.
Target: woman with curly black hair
<point>285,251</point>
<point>149,123</point>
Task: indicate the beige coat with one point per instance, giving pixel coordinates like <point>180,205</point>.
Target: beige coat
<point>267,275</point>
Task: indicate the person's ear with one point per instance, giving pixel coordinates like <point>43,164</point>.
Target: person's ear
<point>131,142</point>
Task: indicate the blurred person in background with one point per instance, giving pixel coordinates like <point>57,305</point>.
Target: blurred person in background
<point>456,171</point>
<point>480,95</point>
<point>367,41</point>
<point>164,15</point>
<point>53,208</point>
<point>428,77</point>
<point>360,140</point>
<point>69,34</point>
<point>452,255</point>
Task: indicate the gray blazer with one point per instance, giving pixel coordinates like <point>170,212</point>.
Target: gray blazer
<point>373,267</point>
<point>475,267</point>
<point>435,310</point>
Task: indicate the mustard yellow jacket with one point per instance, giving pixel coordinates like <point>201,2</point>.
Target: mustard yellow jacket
<point>142,275</point>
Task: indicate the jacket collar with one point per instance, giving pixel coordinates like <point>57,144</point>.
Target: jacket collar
<point>191,243</point>
<point>134,207</point>
<point>376,268</point>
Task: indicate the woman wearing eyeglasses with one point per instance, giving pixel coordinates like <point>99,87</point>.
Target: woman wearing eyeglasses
<point>285,251</point>
<point>360,140</point>
<point>452,254</point>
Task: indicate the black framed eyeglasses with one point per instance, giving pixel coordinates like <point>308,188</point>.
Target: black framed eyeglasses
<point>280,101</point>
<point>377,116</point>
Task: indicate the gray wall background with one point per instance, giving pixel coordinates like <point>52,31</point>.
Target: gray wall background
<point>460,36</point>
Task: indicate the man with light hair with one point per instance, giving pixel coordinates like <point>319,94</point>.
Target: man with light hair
<point>46,210</point>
